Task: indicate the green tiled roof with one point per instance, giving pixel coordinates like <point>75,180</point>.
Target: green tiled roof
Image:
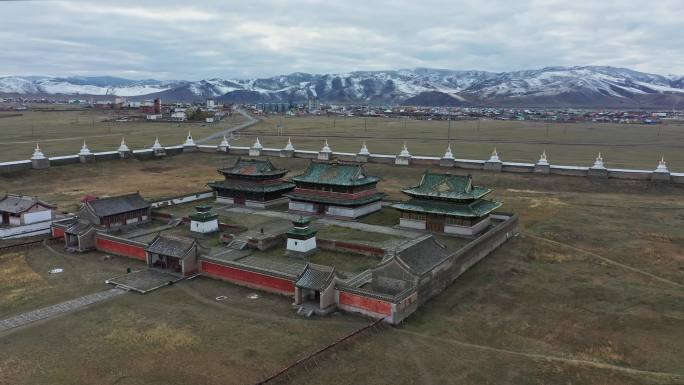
<point>301,233</point>
<point>203,216</point>
<point>334,173</point>
<point>251,187</point>
<point>447,186</point>
<point>253,168</point>
<point>336,201</point>
<point>315,277</point>
<point>474,209</point>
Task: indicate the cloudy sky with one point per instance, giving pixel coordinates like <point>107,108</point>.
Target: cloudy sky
<point>237,39</point>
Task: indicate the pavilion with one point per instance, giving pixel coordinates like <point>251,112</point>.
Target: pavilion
<point>335,189</point>
<point>253,183</point>
<point>447,203</point>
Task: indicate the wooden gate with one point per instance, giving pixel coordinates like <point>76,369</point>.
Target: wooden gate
<point>239,201</point>
<point>435,223</point>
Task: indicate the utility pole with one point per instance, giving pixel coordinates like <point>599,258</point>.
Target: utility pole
<point>449,132</point>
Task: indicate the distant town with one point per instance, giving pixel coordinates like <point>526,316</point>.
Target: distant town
<point>211,111</point>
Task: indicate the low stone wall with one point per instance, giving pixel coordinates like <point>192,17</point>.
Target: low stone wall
<point>9,167</point>
<point>350,247</point>
<point>110,155</point>
<point>507,167</point>
<point>64,160</point>
<point>569,171</point>
<point>146,154</point>
<point>187,198</point>
<point>630,174</point>
<point>446,273</point>
<point>26,230</point>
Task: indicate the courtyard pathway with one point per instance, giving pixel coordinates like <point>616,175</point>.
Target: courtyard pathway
<point>58,309</point>
<point>329,221</point>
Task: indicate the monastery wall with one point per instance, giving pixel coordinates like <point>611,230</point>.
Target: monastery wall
<point>446,272</point>
<point>177,200</point>
<point>144,154</point>
<point>349,247</point>
<point>243,277</point>
<point>120,246</point>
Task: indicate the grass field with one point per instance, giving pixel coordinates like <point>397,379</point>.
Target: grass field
<point>622,146</point>
<point>62,132</point>
<point>590,292</point>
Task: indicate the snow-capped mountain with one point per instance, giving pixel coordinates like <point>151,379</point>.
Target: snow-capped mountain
<point>588,86</point>
<point>101,85</point>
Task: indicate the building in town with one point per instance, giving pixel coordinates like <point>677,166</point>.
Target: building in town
<point>336,189</point>
<point>22,216</point>
<point>253,183</point>
<point>447,203</point>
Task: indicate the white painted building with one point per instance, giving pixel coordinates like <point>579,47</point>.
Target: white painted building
<point>24,216</point>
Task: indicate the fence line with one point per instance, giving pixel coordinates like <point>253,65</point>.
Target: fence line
<point>312,356</point>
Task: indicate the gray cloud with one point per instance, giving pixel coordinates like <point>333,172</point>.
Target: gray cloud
<point>175,39</point>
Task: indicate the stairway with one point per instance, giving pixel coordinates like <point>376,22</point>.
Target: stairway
<point>237,244</point>
<point>305,311</point>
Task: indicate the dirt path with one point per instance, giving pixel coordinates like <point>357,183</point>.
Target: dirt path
<point>56,310</point>
<point>329,221</point>
<point>249,123</point>
<point>607,260</point>
<point>430,340</point>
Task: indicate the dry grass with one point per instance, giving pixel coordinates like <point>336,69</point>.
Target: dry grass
<point>529,297</point>
<point>62,132</point>
<point>623,146</point>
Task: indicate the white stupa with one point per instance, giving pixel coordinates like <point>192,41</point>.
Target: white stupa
<point>404,152</point>
<point>157,145</point>
<point>662,166</point>
<point>123,147</point>
<point>189,142</point>
<point>326,148</point>
<point>224,145</point>
<point>257,144</point>
<point>598,163</point>
<point>84,149</point>
<point>256,148</point>
<point>325,153</point>
<point>289,146</point>
<point>37,153</point>
<point>448,154</point>
<point>364,150</point>
<point>494,158</point>
<point>543,161</point>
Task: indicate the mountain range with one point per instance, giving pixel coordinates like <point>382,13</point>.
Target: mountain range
<point>582,86</point>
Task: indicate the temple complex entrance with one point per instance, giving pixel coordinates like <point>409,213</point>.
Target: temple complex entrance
<point>315,290</point>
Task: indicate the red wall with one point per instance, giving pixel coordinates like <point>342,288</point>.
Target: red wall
<point>57,232</point>
<point>353,247</point>
<point>120,248</point>
<point>370,304</point>
<point>249,278</point>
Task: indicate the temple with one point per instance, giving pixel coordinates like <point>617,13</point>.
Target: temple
<point>101,215</point>
<point>335,189</point>
<point>446,203</point>
<point>252,182</point>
